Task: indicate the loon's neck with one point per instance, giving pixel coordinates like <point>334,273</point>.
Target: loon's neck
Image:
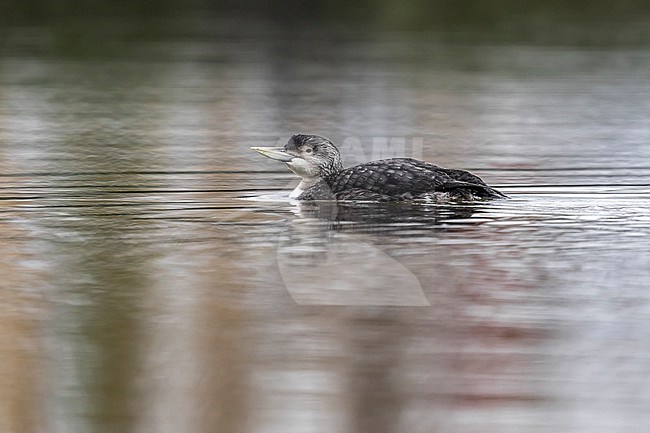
<point>315,188</point>
<point>297,192</point>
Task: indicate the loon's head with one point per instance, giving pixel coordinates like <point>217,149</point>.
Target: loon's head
<point>309,156</point>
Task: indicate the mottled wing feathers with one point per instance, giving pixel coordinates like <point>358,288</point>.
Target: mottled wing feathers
<point>398,177</point>
<point>389,176</point>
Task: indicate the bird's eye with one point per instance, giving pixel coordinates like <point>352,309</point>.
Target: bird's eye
<point>308,150</point>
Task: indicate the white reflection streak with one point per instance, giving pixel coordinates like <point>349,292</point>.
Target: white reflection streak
<point>25,122</point>
<point>168,386</point>
<point>24,117</point>
<point>168,394</point>
<point>309,397</point>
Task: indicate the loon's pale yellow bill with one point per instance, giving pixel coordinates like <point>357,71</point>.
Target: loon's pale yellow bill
<point>276,153</point>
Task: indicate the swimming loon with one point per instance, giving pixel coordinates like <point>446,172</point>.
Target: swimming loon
<point>318,162</point>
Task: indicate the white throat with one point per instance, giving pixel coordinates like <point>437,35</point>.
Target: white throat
<point>296,192</point>
<point>303,186</point>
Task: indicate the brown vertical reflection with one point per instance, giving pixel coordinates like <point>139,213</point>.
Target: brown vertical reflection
<point>197,356</point>
<point>21,408</point>
<point>22,311</point>
<point>223,388</point>
<point>94,332</point>
<point>94,117</point>
<point>113,332</point>
<point>375,398</point>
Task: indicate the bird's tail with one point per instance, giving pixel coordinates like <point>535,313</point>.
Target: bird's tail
<point>472,190</point>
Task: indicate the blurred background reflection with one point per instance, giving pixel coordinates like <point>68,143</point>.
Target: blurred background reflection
<point>154,278</point>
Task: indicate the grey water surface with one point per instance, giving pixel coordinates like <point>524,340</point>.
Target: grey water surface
<point>155,277</point>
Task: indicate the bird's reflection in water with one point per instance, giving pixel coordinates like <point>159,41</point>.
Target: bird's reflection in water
<point>332,253</point>
<point>384,218</point>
